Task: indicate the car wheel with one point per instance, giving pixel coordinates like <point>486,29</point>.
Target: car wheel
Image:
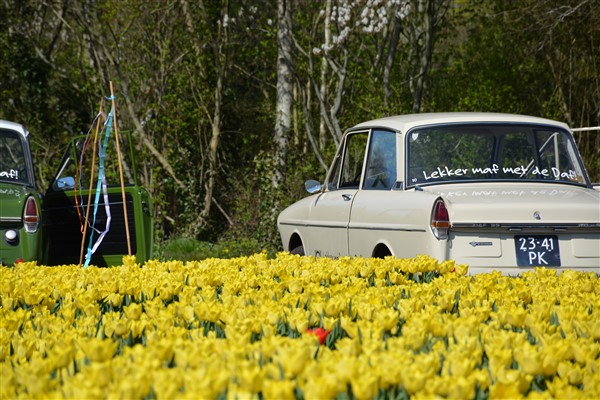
<point>381,251</point>
<point>298,250</point>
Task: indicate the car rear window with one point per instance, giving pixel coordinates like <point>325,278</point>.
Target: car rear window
<point>13,161</point>
<point>456,153</point>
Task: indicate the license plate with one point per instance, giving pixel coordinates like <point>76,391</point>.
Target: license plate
<point>537,251</point>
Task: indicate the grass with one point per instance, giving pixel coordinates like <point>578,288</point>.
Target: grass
<point>188,249</point>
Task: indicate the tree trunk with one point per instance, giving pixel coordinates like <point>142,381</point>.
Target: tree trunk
<point>213,149</point>
<point>389,59</point>
<point>283,121</point>
<point>428,30</point>
<point>324,73</point>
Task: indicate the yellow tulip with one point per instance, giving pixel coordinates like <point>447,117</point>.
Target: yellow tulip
<point>415,380</point>
<point>348,347</point>
<point>114,299</point>
<point>122,328</point>
<point>570,373</point>
<point>249,377</point>
<point>129,261</point>
<point>549,364</point>
<point>415,337</point>
<point>62,354</point>
<point>100,373</point>
<point>294,359</point>
<point>278,389</point>
<point>585,351</point>
<point>365,385</point>
<point>7,284</point>
<point>167,383</point>
<point>460,387</point>
<point>461,269</point>
<point>298,322</point>
<point>529,360</point>
<point>324,386</point>
<point>133,311</point>
<point>98,350</point>
<point>187,313</point>
<point>387,319</point>
<point>33,297</point>
<point>295,287</point>
<point>505,390</point>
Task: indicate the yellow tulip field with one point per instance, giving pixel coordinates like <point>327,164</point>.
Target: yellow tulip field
<point>294,327</point>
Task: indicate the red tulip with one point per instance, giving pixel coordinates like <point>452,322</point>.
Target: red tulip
<point>320,333</point>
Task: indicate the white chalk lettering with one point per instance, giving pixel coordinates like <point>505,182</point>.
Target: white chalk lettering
<point>494,170</point>
<point>537,171</point>
<point>446,172</point>
<point>558,174</point>
<point>12,174</point>
<point>517,171</point>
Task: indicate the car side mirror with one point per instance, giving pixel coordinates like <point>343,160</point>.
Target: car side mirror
<point>312,186</point>
<point>67,182</point>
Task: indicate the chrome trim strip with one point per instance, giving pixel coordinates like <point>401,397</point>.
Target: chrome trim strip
<point>366,228</point>
<point>10,219</point>
<point>517,227</point>
<point>306,225</point>
<point>475,244</point>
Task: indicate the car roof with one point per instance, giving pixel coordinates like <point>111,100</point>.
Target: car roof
<point>405,122</point>
<point>14,127</point>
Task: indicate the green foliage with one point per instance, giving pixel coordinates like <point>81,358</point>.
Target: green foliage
<point>188,249</point>
<point>533,57</point>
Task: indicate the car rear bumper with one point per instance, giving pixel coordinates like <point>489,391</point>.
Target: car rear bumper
<point>500,251</point>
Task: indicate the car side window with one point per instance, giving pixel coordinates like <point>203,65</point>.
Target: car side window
<point>354,157</point>
<point>76,166</point>
<point>381,161</point>
<point>348,164</point>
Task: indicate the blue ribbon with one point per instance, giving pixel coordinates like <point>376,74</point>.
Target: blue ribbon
<point>102,156</point>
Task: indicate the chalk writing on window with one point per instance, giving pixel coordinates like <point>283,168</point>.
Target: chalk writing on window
<point>10,174</point>
<point>449,173</point>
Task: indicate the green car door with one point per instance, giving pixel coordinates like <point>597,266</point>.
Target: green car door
<point>83,207</point>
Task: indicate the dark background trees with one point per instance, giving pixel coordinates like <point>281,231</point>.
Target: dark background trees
<point>234,103</point>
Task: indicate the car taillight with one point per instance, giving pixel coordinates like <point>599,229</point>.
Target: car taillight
<point>440,221</point>
<point>31,216</point>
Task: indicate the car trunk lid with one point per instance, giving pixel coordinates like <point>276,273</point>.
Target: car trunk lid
<point>521,205</point>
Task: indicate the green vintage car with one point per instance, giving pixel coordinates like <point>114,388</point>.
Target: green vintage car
<point>20,200</point>
<point>81,218</point>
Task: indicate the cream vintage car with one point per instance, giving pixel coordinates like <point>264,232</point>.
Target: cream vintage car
<point>493,191</point>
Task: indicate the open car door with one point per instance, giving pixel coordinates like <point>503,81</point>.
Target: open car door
<point>83,207</point>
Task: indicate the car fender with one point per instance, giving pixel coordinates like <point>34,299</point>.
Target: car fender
<point>293,220</point>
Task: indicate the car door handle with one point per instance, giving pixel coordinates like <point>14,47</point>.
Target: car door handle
<point>347,197</point>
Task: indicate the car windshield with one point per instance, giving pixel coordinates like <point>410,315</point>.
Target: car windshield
<point>441,154</point>
<point>13,158</point>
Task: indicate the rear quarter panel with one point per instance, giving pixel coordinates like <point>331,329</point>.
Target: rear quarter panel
<point>29,244</point>
<point>398,219</point>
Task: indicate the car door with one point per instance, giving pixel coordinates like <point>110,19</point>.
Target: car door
<point>376,214</point>
<point>84,209</point>
<point>330,213</point>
